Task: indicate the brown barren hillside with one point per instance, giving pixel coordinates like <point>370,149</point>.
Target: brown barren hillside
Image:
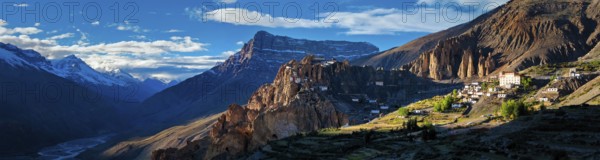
<point>515,36</point>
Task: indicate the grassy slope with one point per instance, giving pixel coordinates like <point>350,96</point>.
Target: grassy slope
<point>584,94</point>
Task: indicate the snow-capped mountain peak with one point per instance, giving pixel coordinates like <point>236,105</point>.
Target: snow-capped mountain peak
<point>74,68</point>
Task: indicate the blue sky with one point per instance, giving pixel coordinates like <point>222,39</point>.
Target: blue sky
<point>178,39</point>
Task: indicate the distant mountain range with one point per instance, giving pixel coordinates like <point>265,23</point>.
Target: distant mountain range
<point>116,84</point>
<point>70,93</point>
<point>39,108</point>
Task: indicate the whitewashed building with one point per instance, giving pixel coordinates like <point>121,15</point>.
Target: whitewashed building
<point>384,107</point>
<point>509,79</point>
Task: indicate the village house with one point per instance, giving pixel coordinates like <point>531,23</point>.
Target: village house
<point>552,89</point>
<point>373,101</point>
<point>573,73</point>
<point>375,111</point>
<point>473,101</point>
<point>509,79</point>
<point>502,95</point>
<point>384,107</point>
<point>456,105</point>
<point>419,112</point>
<point>379,83</point>
<point>543,99</point>
<point>323,88</point>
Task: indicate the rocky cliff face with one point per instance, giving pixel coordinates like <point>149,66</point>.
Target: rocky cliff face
<point>279,110</point>
<point>514,36</point>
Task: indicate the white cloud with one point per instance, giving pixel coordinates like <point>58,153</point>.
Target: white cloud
<point>387,21</point>
<point>20,4</point>
<point>367,22</point>
<point>83,40</point>
<point>142,37</point>
<point>443,2</point>
<point>228,1</point>
<point>37,24</point>
<point>228,53</point>
<point>164,67</point>
<point>17,30</point>
<point>238,16</point>
<point>95,23</point>
<point>50,48</point>
<point>52,32</point>
<point>133,28</point>
<point>173,31</point>
<point>62,36</point>
<point>240,43</point>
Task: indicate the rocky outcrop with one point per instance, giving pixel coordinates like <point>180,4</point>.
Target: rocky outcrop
<point>235,80</point>
<point>455,57</point>
<point>278,110</point>
<point>295,102</point>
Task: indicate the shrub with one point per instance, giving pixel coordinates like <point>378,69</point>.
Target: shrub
<point>411,125</point>
<point>429,132</point>
<point>526,82</point>
<point>403,111</point>
<point>443,104</point>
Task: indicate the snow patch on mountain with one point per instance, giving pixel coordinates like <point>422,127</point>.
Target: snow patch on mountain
<point>12,59</point>
<point>75,69</point>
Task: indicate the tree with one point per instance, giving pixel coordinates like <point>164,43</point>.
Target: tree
<point>543,106</point>
<point>437,107</point>
<point>507,109</point>
<point>403,112</point>
<point>444,104</point>
<point>512,109</point>
<point>484,86</point>
<point>526,82</point>
<point>429,132</point>
<point>454,93</point>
